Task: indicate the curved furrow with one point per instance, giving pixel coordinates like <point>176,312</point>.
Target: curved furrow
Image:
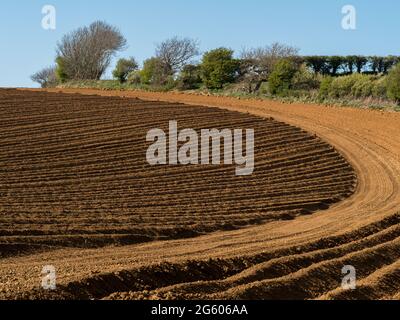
<point>278,268</point>
<point>382,284</point>
<point>74,173</point>
<point>271,260</point>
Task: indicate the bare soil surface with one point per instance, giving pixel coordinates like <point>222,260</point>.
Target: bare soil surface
<point>288,253</point>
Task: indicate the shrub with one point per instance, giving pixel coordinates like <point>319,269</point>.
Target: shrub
<point>363,86</point>
<point>169,84</point>
<point>190,77</point>
<point>380,88</point>
<point>342,86</point>
<point>218,68</point>
<point>305,79</point>
<point>355,86</point>
<point>134,77</point>
<point>280,80</point>
<point>393,84</point>
<point>61,72</point>
<point>325,87</point>
<point>123,68</point>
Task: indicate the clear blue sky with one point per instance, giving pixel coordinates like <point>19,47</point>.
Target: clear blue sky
<point>314,26</point>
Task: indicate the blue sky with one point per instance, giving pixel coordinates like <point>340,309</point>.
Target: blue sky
<point>314,26</point>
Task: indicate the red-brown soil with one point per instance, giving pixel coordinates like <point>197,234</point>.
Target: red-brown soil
<point>74,176</point>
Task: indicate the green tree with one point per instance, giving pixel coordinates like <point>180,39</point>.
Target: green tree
<point>393,83</point>
<point>350,63</point>
<point>316,63</point>
<point>154,72</point>
<point>377,64</point>
<point>218,68</point>
<point>258,63</point>
<point>389,62</point>
<point>334,63</point>
<point>190,77</point>
<point>360,63</point>
<point>123,68</point>
<point>280,80</point>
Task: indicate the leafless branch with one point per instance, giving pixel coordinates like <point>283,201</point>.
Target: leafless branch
<point>175,53</point>
<point>45,77</point>
<point>87,51</point>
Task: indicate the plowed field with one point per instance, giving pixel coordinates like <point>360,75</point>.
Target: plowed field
<point>77,193</point>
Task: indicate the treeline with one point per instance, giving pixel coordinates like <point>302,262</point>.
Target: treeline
<point>275,70</point>
<point>334,65</point>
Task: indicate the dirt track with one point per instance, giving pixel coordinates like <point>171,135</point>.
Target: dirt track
<point>301,258</point>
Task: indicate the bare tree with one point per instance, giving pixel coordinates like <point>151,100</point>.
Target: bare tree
<point>46,77</point>
<point>258,63</point>
<point>86,52</point>
<point>175,53</point>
